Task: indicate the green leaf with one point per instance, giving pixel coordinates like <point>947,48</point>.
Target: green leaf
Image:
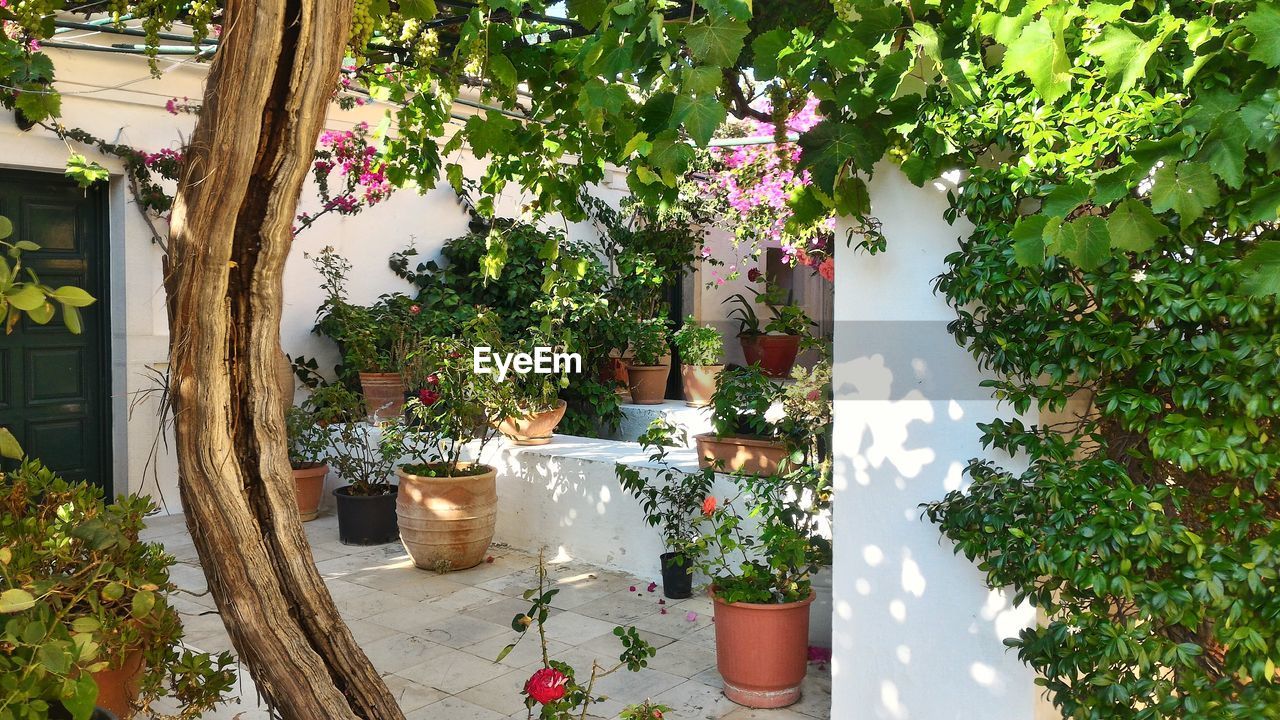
<point>765,51</point>
<point>1224,149</point>
<point>41,315</point>
<point>501,70</point>
<point>702,80</point>
<point>1187,189</point>
<point>39,103</point>
<point>55,657</point>
<point>701,116</point>
<point>1264,23</point>
<point>26,297</point>
<point>82,697</point>
<point>1028,240</point>
<point>1084,242</point>
<point>1065,198</point>
<point>830,146</point>
<point>142,603</point>
<point>73,296</point>
<point>15,600</point>
<point>418,9</point>
<point>1262,269</point>
<point>71,318</point>
<point>1041,55</point>
<point>505,652</point>
<point>6,227</point>
<point>9,446</point>
<point>716,40</point>
<point>86,173</point>
<point>1132,227</point>
<point>669,154</point>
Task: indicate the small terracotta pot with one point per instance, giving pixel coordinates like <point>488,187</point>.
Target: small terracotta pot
<point>699,383</point>
<point>775,354</point>
<point>534,428</point>
<point>762,651</point>
<point>447,522</point>
<point>742,455</point>
<point>120,684</point>
<point>383,394</point>
<point>310,482</point>
<point>648,383</point>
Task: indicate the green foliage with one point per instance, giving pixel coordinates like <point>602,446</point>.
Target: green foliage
<point>741,403</point>
<point>648,340</point>
<point>29,296</point>
<point>307,438</point>
<point>78,591</point>
<point>367,336</point>
<point>355,455</point>
<point>784,318</point>
<point>698,344</point>
<point>670,498</point>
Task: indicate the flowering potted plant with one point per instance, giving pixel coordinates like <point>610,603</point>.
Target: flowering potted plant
<point>700,349</point>
<point>447,506</point>
<point>538,399</point>
<point>363,455</point>
<point>667,495</point>
<point>760,581</point>
<point>646,373</point>
<point>85,610</point>
<point>307,445</point>
<point>774,346</point>
<point>744,438</point>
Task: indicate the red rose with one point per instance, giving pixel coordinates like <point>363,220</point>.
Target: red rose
<point>415,309</point>
<point>753,275</point>
<point>427,396</point>
<point>546,685</point>
<point>433,379</point>
<point>709,505</point>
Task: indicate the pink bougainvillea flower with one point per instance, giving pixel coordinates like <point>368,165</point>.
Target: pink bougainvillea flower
<point>652,586</point>
<point>661,601</point>
<point>415,309</point>
<point>709,505</point>
<point>631,589</point>
<point>546,685</point>
<point>691,616</point>
<point>819,654</point>
<point>663,611</point>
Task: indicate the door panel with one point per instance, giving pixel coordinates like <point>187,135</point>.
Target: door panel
<point>54,388</point>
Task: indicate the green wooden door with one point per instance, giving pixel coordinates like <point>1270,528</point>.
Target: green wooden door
<point>54,385</point>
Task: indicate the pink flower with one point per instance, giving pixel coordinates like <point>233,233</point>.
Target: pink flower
<point>709,505</point>
<point>691,616</point>
<point>171,106</point>
<point>415,309</point>
<point>546,685</point>
<point>631,589</point>
<point>652,586</point>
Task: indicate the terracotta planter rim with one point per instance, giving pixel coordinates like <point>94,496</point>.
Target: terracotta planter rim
<point>717,365</point>
<point>758,440</point>
<point>642,367</point>
<point>531,413</point>
<point>309,466</point>
<point>489,470</point>
<point>763,606</point>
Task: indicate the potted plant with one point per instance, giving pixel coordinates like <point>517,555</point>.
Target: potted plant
<point>363,455</point>
<point>84,608</point>
<point>540,408</point>
<point>646,374</point>
<point>667,495</point>
<point>447,506</point>
<point>744,438</point>
<point>366,336</point>
<point>760,581</point>
<point>700,349</point>
<point>307,445</point>
<point>775,346</point>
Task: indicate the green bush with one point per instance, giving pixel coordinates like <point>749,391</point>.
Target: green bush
<point>77,591</point>
<point>698,344</point>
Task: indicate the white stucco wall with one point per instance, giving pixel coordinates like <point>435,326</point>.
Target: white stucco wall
<point>116,98</point>
<point>917,636</point>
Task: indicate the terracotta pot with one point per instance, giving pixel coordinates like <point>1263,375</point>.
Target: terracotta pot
<point>762,651</point>
<point>534,428</point>
<point>383,394</point>
<point>648,383</point>
<point>775,354</point>
<point>447,522</point>
<point>613,371</point>
<point>120,684</point>
<point>310,482</point>
<point>739,454</point>
<point>699,382</point>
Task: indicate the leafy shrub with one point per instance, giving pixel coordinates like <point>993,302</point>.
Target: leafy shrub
<point>741,402</point>
<point>78,590</point>
<point>671,498</point>
<point>698,344</point>
<point>649,340</point>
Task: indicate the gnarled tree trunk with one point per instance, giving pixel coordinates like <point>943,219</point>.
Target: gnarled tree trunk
<point>264,105</point>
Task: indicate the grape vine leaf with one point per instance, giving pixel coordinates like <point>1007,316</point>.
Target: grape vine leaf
<point>1065,198</point>
<point>1041,55</point>
<point>1132,226</point>
<point>716,40</point>
<point>1263,268</point>
<point>1084,242</point>
<point>1264,23</point>
<point>1028,240</point>
<point>1124,55</point>
<point>701,116</point>
<point>829,146</point>
<point>1186,189</point>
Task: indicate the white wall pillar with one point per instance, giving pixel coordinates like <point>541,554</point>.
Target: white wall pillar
<point>916,633</point>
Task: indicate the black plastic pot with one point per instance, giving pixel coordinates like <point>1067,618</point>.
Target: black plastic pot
<point>366,519</point>
<point>58,712</point>
<point>677,577</point>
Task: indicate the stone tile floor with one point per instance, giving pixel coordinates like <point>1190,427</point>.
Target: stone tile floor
<point>434,637</point>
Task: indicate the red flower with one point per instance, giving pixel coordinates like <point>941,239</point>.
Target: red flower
<point>709,505</point>
<point>753,274</point>
<point>415,309</point>
<point>546,685</point>
<point>427,396</point>
<point>828,270</point>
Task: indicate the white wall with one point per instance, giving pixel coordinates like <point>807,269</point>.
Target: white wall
<point>116,98</point>
<point>917,635</point>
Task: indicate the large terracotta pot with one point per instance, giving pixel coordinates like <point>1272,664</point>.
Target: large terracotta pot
<point>699,383</point>
<point>446,523</point>
<point>648,383</point>
<point>120,684</point>
<point>775,354</point>
<point>739,454</point>
<point>383,394</point>
<point>310,482</point>
<point>762,651</point>
<point>534,428</point>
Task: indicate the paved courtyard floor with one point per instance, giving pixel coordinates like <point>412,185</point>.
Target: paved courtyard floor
<point>434,637</point>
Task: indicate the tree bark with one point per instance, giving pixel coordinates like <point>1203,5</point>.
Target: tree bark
<point>264,106</point>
